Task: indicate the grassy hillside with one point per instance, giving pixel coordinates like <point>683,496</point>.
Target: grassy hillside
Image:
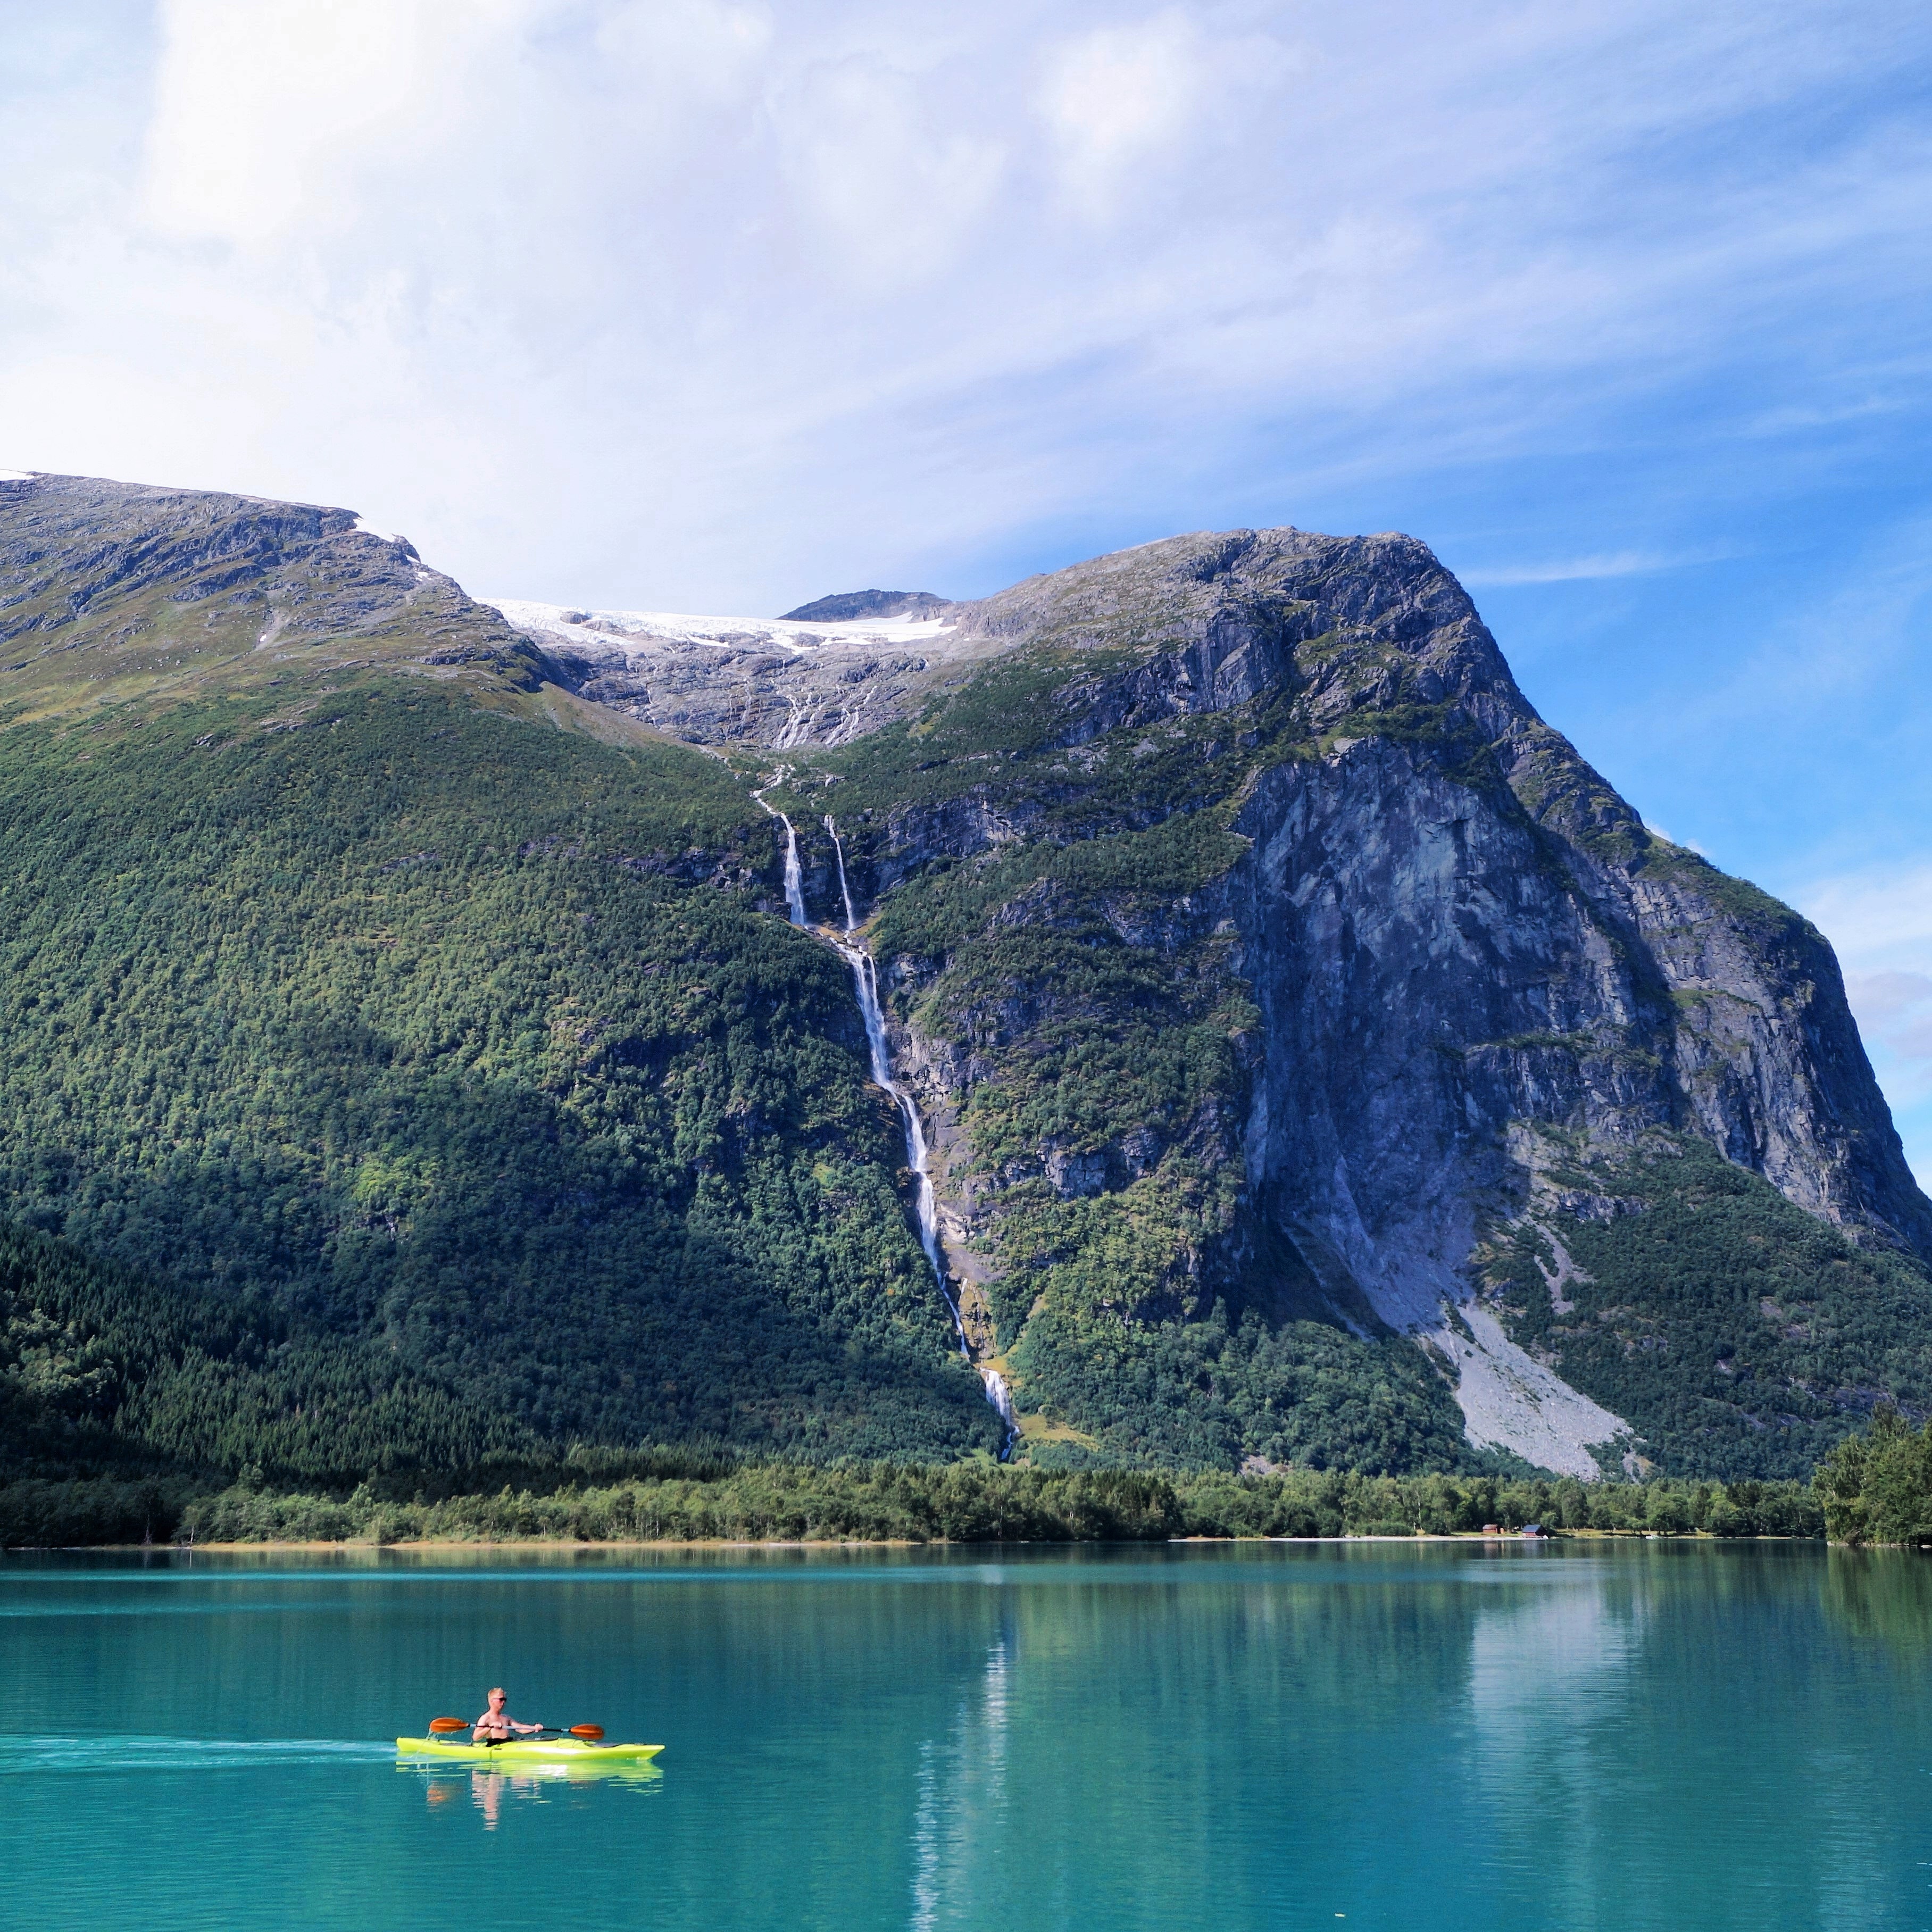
<point>460,1041</point>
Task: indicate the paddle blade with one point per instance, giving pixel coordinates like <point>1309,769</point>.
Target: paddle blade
<point>446,1724</point>
<point>589,1733</point>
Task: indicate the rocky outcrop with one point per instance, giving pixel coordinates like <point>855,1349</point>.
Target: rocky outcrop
<point>151,586</point>
<point>1456,933</point>
<point>845,606</point>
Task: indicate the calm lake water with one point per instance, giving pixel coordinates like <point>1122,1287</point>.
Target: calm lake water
<point>1585,1735</point>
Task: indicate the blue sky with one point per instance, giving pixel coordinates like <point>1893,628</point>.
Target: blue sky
<point>700,305</point>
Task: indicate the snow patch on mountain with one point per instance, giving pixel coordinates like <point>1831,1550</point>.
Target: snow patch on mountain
<point>775,681</point>
<point>640,629</point>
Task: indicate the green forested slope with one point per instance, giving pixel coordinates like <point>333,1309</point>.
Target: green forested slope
<point>405,1067</point>
<point>1740,1337</point>
<point>459,1042</point>
<point>105,1372</point>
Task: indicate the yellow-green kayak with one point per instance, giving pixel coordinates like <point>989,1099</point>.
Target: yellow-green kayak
<point>527,1750</point>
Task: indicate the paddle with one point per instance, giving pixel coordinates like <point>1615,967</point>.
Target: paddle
<point>590,1733</point>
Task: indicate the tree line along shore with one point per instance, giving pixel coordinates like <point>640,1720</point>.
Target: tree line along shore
<point>1874,1488</point>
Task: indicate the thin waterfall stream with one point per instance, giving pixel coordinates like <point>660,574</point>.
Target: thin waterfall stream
<point>865,983</point>
<point>794,876</point>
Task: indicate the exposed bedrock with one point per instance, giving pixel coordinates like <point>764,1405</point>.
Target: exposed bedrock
<point>1428,977</point>
<point>1459,924</point>
<point>1461,940</point>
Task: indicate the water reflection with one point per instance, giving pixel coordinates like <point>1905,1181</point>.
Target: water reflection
<point>490,1791</point>
<point>1884,1596</point>
<point>1552,1672</point>
<point>959,1819</point>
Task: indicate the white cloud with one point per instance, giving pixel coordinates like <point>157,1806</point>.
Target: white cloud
<point>1688,845</point>
<point>1897,1008</point>
<point>1116,97</point>
<point>1879,920</point>
<point>664,302</point>
<point>266,111</point>
<point>707,50</point>
<point>1617,563</point>
<point>893,184</point>
<point>1888,997</point>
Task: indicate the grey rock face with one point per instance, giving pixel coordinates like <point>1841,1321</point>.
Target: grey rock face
<point>1438,957</point>
<point>1461,940</point>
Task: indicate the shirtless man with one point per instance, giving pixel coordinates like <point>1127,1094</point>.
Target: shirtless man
<point>495,1724</point>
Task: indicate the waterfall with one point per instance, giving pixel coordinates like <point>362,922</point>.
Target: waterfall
<point>865,980</point>
<point>794,877</point>
<point>1001,1397</point>
<point>844,890</point>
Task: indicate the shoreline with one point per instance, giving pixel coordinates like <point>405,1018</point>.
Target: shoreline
<point>363,1546</point>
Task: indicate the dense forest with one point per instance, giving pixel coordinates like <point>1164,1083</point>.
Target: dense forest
<point>389,1074</point>
<point>683,1495</point>
<point>398,1082</point>
<point>1876,1487</point>
<point>1737,1330</point>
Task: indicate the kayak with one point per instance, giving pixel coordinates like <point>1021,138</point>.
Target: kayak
<point>528,1751</point>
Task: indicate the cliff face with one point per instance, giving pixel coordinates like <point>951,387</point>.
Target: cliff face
<point>1482,990</point>
<point>1448,913</point>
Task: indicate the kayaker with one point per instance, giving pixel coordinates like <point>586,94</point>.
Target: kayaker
<point>495,1724</point>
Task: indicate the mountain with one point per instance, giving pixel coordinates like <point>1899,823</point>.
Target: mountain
<point>845,605</point>
<point>1320,1061</point>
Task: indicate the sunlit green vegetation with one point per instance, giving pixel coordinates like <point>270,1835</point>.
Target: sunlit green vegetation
<point>453,1049</point>
<point>393,1088</point>
<point>1738,1334</point>
<point>972,1501</point>
<point>1877,1487</point>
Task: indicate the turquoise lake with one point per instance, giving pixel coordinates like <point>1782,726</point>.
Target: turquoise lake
<point>1613,1736</point>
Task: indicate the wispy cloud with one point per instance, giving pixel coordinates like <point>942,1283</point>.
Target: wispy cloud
<point>1616,563</point>
<point>651,301</point>
<point>1670,838</point>
<point>1880,919</point>
<point>1896,1008</point>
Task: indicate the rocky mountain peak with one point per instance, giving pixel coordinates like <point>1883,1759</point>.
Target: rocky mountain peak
<point>112,591</point>
<point>844,606</point>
